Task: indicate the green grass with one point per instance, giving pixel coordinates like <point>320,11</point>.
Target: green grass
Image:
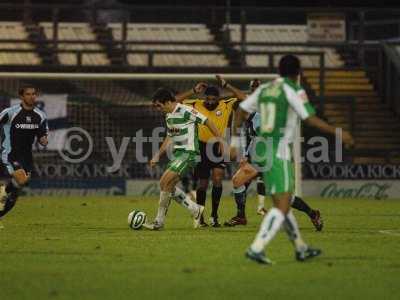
<point>81,248</point>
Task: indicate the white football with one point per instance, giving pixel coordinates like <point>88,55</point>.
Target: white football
<point>136,219</point>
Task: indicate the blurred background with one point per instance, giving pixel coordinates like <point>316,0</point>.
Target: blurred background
<point>351,71</point>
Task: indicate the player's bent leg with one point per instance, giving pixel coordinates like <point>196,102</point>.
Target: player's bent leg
<point>303,251</point>
<point>10,192</point>
<point>281,187</point>
<point>314,215</point>
<point>166,182</point>
<point>175,170</point>
<point>245,174</point>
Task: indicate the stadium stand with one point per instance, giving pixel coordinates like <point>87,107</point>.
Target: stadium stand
<point>16,30</point>
<point>281,34</point>
<point>170,33</point>
<point>374,121</point>
<point>113,92</point>
<point>76,32</point>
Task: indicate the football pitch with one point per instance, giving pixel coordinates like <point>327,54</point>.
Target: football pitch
<point>82,248</point>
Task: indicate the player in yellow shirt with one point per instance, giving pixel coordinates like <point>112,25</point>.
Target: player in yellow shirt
<point>212,164</point>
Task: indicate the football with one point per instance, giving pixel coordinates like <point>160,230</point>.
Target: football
<point>136,219</point>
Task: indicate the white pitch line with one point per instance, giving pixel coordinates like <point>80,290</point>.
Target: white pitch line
<point>395,232</point>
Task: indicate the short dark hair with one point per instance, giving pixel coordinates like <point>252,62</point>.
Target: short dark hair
<point>24,87</point>
<point>212,91</point>
<point>163,95</point>
<point>289,66</point>
<point>255,82</point>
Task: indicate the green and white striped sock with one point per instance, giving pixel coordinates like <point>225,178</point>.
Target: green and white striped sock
<point>184,200</point>
<point>269,227</point>
<point>293,231</point>
<point>165,200</point>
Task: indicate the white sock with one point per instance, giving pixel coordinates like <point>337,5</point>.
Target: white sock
<point>292,229</point>
<point>163,204</point>
<point>179,196</point>
<point>269,227</point>
<point>292,199</point>
<point>261,201</point>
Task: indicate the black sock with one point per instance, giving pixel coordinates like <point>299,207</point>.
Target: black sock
<point>11,198</point>
<point>299,204</point>
<point>260,188</point>
<point>10,202</point>
<point>240,198</point>
<point>185,184</point>
<point>201,199</point>
<point>201,196</point>
<point>11,188</point>
<point>215,197</point>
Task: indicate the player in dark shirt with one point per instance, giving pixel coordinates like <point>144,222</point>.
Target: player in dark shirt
<point>20,125</point>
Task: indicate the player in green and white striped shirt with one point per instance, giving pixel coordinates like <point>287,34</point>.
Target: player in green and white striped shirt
<point>182,127</point>
<point>280,103</point>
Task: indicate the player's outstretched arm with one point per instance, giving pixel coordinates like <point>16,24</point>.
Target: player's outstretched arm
<point>299,102</point>
<point>167,141</point>
<point>197,89</point>
<point>323,126</point>
<point>239,94</point>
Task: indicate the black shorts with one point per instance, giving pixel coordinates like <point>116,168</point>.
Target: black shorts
<point>10,166</point>
<point>206,164</point>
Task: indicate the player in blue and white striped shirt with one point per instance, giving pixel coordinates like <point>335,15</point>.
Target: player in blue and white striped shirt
<point>20,125</point>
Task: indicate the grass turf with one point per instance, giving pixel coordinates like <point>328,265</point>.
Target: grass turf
<point>81,248</point>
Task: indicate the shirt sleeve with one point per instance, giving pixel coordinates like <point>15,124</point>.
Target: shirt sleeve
<point>190,102</point>
<point>256,122</point>
<point>250,105</point>
<point>4,117</point>
<point>299,102</point>
<point>43,128</point>
<point>196,116</point>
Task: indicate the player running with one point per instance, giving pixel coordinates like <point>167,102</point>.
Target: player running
<point>248,170</point>
<point>21,124</point>
<point>280,103</point>
<point>255,83</point>
<point>182,129</point>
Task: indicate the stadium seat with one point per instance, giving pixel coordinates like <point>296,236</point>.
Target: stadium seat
<point>281,34</point>
<point>76,31</point>
<point>170,32</point>
<point>16,30</point>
